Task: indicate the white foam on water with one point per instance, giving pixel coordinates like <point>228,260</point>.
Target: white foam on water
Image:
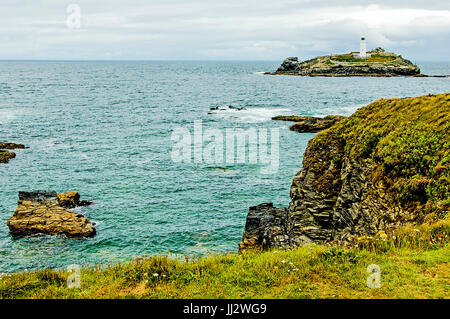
<point>247,115</point>
<point>8,115</point>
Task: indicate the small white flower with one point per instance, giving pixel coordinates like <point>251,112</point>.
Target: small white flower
<point>295,269</point>
<point>155,274</point>
<point>291,264</point>
<point>283,261</point>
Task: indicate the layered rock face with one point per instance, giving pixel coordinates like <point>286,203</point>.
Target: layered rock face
<point>386,165</point>
<point>42,212</point>
<point>266,227</point>
<point>379,63</point>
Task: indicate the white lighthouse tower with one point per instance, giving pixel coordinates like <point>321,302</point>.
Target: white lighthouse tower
<point>362,48</point>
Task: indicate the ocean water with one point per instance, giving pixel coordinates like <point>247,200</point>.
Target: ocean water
<point>104,129</point>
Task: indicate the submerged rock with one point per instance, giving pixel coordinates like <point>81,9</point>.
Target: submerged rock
<point>310,124</point>
<point>41,212</point>
<point>384,166</point>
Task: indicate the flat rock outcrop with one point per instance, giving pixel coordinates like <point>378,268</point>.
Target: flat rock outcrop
<point>378,63</point>
<point>5,156</point>
<point>385,166</point>
<point>42,212</point>
<point>310,124</point>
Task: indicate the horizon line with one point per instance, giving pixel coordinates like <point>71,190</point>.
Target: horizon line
<point>165,60</point>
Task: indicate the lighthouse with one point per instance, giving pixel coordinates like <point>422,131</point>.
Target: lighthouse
<point>362,48</point>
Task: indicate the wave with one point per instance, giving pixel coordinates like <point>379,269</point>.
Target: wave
<point>247,114</point>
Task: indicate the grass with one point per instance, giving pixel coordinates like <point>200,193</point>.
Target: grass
<point>414,264</point>
<point>370,59</point>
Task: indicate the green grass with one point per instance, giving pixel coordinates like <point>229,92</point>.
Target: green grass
<point>418,268</point>
<point>373,58</point>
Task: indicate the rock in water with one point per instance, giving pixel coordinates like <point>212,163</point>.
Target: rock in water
<point>11,146</point>
<point>310,124</point>
<point>5,156</point>
<point>71,200</point>
<point>384,166</point>
<point>41,212</point>
<point>289,65</point>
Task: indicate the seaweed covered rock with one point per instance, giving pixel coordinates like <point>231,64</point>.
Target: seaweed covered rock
<point>71,200</point>
<point>310,124</point>
<point>41,212</point>
<point>386,165</point>
<point>5,156</point>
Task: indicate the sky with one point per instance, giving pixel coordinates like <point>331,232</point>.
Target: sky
<point>220,30</point>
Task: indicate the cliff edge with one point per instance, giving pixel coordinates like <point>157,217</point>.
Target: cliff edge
<point>385,166</point>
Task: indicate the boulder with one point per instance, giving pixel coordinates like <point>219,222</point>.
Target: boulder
<point>289,65</point>
<point>71,200</point>
<point>5,156</point>
<point>41,212</point>
<point>266,226</point>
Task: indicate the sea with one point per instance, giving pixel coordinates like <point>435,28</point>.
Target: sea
<point>111,131</point>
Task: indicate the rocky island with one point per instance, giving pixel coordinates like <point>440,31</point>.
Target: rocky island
<point>385,166</point>
<point>45,212</point>
<point>378,62</point>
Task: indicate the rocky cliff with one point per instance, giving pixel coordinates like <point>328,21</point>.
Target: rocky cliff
<point>386,165</point>
<point>379,63</point>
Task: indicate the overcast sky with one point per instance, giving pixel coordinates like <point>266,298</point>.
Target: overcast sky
<point>221,30</point>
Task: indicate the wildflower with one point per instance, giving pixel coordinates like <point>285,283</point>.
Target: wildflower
<point>291,264</point>
<point>283,261</point>
<point>295,269</point>
<point>155,274</point>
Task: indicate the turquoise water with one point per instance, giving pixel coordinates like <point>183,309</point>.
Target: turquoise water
<point>104,129</point>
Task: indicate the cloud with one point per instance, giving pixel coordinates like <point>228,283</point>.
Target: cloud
<point>232,29</point>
